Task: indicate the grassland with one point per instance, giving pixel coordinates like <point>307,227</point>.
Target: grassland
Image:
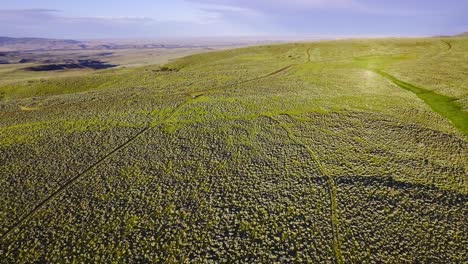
<point>348,151</point>
<point>15,71</point>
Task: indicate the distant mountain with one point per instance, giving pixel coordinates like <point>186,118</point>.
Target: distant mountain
<point>30,44</point>
<point>8,44</point>
<point>33,41</point>
<point>462,35</point>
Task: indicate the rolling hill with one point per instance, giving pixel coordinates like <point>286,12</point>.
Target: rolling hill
<point>351,151</point>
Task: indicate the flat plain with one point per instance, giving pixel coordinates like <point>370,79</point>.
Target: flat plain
<point>351,151</point>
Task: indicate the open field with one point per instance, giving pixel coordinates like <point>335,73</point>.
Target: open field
<point>352,151</point>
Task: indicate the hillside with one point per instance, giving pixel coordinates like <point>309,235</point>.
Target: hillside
<point>350,151</point>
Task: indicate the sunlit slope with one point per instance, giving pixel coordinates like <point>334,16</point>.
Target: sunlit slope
<point>322,152</point>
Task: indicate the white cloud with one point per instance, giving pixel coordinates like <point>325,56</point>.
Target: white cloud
<point>281,4</point>
<point>51,23</point>
<point>42,16</point>
<point>271,7</point>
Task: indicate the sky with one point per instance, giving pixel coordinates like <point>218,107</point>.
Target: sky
<point>153,19</point>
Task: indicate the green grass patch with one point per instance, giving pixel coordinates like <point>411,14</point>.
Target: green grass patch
<point>441,104</point>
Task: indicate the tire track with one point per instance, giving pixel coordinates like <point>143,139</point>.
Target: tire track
<point>309,60</point>
<point>449,45</point>
<point>277,72</point>
<point>73,180</point>
<point>70,182</point>
<point>331,188</point>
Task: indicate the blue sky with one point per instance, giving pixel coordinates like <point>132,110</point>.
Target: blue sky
<point>87,19</point>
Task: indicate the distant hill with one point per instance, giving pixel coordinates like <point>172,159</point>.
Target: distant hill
<point>8,44</point>
<point>26,44</point>
<point>464,34</point>
<point>34,41</point>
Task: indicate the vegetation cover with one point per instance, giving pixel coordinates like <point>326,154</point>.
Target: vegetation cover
<point>346,151</point>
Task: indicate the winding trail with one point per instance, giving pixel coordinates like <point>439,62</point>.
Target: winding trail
<point>331,188</point>
<point>70,182</point>
<point>449,45</point>
<point>309,60</point>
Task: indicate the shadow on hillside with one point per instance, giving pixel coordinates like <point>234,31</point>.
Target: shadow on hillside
<point>81,64</point>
